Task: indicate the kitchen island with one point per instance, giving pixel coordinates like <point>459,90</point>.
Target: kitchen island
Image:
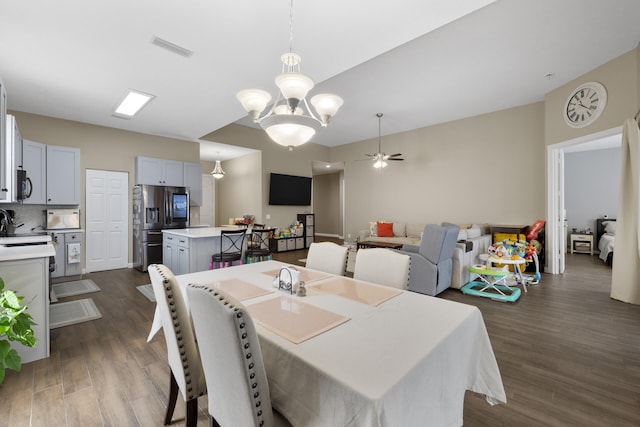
<point>24,267</point>
<point>188,250</point>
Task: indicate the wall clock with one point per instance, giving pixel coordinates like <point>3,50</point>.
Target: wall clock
<point>585,104</point>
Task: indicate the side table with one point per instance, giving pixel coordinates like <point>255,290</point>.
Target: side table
<point>581,243</point>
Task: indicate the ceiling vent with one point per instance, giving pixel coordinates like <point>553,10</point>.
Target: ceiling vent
<point>171,47</point>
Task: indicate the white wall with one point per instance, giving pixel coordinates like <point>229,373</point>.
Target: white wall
<point>592,182</point>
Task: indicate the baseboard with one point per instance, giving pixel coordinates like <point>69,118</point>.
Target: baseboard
<point>337,236</point>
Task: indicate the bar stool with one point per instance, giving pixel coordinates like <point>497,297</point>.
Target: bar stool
<point>231,245</point>
<point>258,245</point>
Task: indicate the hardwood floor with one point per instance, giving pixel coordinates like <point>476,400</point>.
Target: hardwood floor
<point>568,354</point>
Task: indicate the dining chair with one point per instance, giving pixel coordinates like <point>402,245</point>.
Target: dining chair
<point>259,245</point>
<point>382,266</point>
<point>232,360</point>
<point>328,257</point>
<point>182,349</point>
<point>231,247</point>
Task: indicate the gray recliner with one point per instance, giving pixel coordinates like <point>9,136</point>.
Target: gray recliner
<point>432,261</point>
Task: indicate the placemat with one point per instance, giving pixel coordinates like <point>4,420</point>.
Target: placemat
<point>293,319</point>
<point>306,275</point>
<point>240,289</point>
<point>357,290</point>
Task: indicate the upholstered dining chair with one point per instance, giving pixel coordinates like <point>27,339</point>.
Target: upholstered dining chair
<point>182,350</point>
<point>232,360</point>
<point>231,247</point>
<point>328,257</point>
<point>382,266</point>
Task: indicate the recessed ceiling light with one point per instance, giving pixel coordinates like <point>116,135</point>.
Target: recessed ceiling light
<point>328,166</point>
<point>131,104</point>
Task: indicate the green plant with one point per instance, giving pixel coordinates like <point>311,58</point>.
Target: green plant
<point>15,325</point>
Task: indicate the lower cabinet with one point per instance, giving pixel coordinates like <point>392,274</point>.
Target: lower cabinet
<point>29,278</point>
<point>175,253</point>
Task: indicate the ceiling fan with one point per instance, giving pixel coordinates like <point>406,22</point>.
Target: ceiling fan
<point>380,159</point>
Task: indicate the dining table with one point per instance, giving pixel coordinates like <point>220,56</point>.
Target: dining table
<point>353,353</point>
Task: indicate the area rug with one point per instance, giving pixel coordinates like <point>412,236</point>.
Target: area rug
<point>76,287</point>
<point>147,291</point>
<point>72,312</point>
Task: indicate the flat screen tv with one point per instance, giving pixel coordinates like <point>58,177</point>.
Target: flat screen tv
<point>289,190</point>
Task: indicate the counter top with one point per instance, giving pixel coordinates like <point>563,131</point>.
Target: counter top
<point>201,232</point>
<point>26,251</point>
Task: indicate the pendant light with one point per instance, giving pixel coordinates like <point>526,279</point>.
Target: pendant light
<point>217,171</point>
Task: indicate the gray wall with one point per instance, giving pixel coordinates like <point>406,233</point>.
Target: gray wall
<point>592,182</point>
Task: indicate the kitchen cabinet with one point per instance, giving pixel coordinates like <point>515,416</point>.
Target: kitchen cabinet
<point>12,160</point>
<point>63,175</point>
<point>154,171</point>
<point>34,155</point>
<point>193,180</point>
<point>4,171</point>
<point>29,278</point>
<point>175,253</point>
<point>169,246</point>
<point>68,254</point>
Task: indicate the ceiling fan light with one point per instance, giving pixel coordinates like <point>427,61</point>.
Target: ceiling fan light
<point>326,105</point>
<point>254,101</point>
<point>378,164</point>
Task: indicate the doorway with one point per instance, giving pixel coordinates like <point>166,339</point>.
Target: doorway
<point>556,213</point>
<point>107,220</point>
<point>328,198</point>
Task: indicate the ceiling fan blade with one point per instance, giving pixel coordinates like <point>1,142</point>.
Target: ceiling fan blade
<point>395,158</point>
<point>370,155</point>
<point>395,155</point>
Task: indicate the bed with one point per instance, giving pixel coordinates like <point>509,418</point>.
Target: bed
<point>605,235</point>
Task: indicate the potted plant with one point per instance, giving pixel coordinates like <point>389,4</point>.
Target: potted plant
<point>15,325</point>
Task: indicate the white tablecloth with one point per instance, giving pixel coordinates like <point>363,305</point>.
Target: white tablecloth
<point>406,362</point>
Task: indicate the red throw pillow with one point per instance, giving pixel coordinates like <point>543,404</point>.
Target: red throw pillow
<point>385,229</point>
<point>532,234</point>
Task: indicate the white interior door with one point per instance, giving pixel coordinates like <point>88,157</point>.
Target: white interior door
<point>207,210</point>
<point>107,225</point>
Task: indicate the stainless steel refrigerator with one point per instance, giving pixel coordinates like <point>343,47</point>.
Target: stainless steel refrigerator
<point>156,208</point>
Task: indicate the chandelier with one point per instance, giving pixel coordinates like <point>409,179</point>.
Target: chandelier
<point>290,121</point>
<point>217,171</point>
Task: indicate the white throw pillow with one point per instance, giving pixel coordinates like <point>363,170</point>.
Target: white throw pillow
<point>462,234</point>
<point>373,228</point>
<point>473,232</point>
<point>610,227</point>
<point>399,229</point>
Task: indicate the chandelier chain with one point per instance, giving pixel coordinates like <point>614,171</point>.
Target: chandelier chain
<point>291,27</point>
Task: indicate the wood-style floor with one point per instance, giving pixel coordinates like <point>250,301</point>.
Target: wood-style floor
<point>569,356</point>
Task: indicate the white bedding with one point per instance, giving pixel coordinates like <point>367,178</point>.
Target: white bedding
<point>606,246</point>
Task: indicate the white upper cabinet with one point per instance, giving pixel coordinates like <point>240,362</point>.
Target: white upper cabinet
<point>63,175</point>
<point>34,155</point>
<point>4,172</point>
<point>193,180</point>
<point>153,171</point>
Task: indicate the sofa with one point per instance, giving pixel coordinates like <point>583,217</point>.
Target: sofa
<point>473,241</point>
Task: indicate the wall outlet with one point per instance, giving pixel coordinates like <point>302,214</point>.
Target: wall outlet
<point>267,216</point>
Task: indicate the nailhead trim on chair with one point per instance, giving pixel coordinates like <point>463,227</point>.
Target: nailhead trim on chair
<point>245,345</point>
<point>177,328</point>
